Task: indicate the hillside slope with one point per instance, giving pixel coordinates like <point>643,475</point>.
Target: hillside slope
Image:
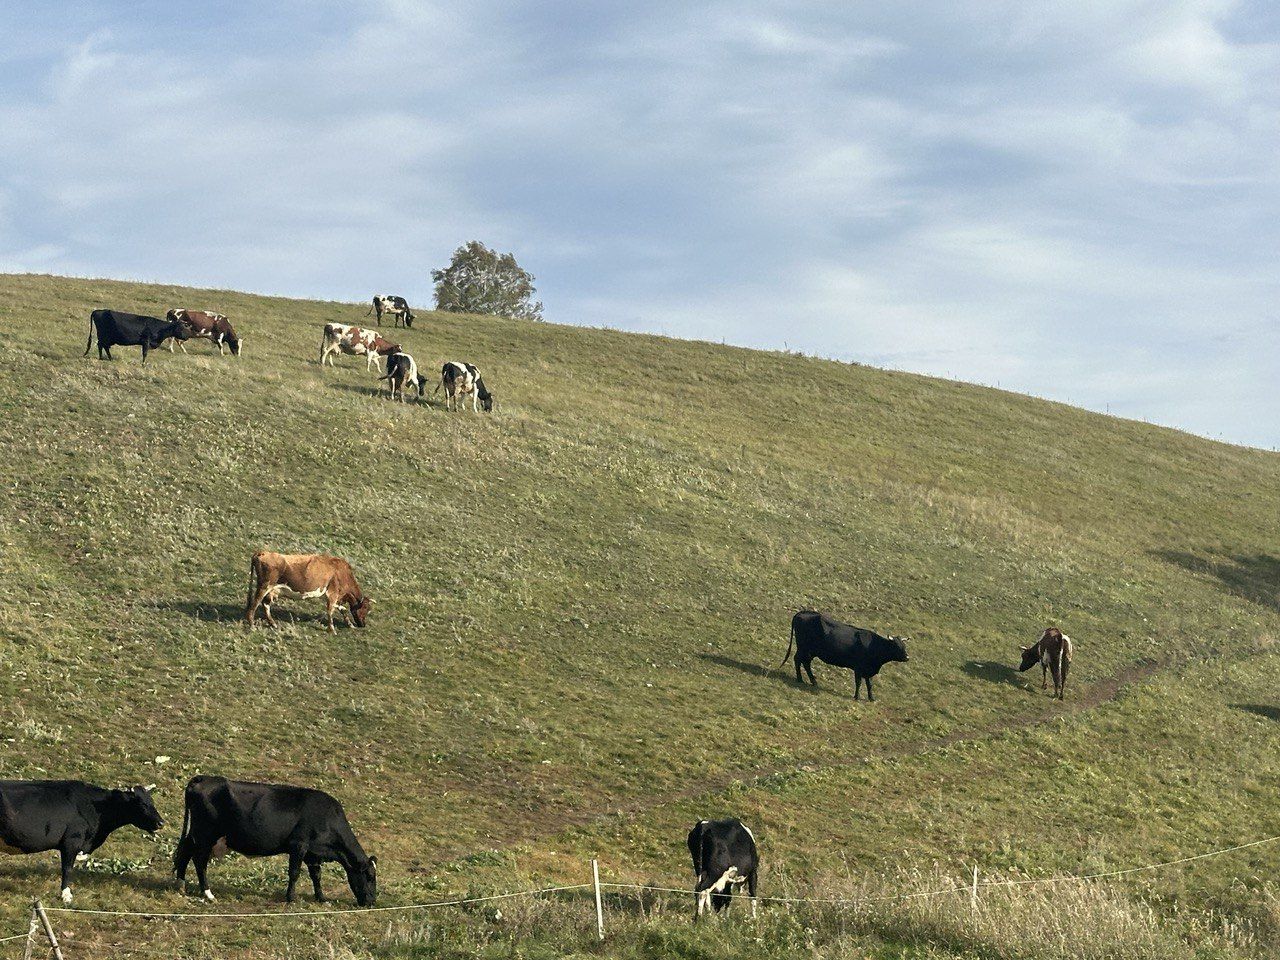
<point>581,603</point>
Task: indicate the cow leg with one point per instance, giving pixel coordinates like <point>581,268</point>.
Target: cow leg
<point>182,857</point>
<point>144,353</point>
<point>255,601</point>
<point>68,851</point>
<point>808,668</point>
<point>1062,690</point>
<point>751,892</point>
<point>201,861</point>
<point>266,610</point>
<point>1044,676</point>
<point>857,685</point>
<point>313,868</point>
<point>799,679</point>
<point>870,696</point>
<point>295,869</point>
<point>330,606</point>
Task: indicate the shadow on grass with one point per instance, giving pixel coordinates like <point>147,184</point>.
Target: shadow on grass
<point>768,673</point>
<point>1255,578</point>
<point>380,391</point>
<point>204,610</point>
<point>993,672</point>
<point>1261,709</point>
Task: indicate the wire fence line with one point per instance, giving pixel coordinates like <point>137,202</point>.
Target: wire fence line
<point>599,885</point>
<point>967,888</point>
<point>318,914</point>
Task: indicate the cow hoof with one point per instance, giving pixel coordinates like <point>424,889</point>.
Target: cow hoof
<point>81,857</point>
<point>66,894</point>
<point>208,895</point>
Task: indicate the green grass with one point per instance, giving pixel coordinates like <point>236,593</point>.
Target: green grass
<point>581,603</point>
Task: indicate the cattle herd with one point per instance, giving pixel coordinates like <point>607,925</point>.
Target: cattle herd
<point>309,826</point>
<point>460,380</point>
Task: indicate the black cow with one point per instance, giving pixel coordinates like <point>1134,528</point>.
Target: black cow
<point>265,820</point>
<point>69,816</point>
<point>862,651</point>
<point>117,329</point>
<point>724,856</point>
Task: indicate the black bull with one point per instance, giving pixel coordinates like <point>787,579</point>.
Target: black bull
<point>117,329</point>
<point>816,635</point>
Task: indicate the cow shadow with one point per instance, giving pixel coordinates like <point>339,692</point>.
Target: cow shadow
<point>378,391</point>
<point>1259,709</point>
<point>756,670</point>
<point>1254,578</point>
<point>204,610</point>
<point>994,672</point>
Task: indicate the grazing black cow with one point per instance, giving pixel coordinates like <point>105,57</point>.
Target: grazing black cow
<point>117,329</point>
<point>1053,652</point>
<point>265,820</point>
<point>402,372</point>
<point>389,303</point>
<point>69,816</point>
<point>862,651</point>
<point>724,856</point>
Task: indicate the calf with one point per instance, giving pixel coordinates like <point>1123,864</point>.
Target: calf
<point>267,820</point>
<point>724,856</point>
<point>388,303</point>
<point>403,372</point>
<point>69,816</point>
<point>341,338</point>
<point>461,379</point>
<point>1053,652</point>
<point>862,651</point>
<point>209,326</point>
<point>115,328</point>
<point>308,576</point>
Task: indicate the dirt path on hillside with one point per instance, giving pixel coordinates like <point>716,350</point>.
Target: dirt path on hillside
<point>534,827</point>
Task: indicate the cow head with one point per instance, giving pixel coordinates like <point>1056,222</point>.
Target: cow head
<point>363,879</point>
<point>897,649</point>
<point>234,343</point>
<point>360,611</point>
<point>139,810</point>
<point>1030,657</point>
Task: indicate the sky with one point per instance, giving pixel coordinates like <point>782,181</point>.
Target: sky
<point>1078,200</point>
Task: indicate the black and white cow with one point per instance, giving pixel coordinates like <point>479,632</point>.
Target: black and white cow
<point>461,379</point>
<point>266,820</point>
<point>862,651</point>
<point>69,816</point>
<point>724,856</point>
<point>115,328</point>
<point>402,372</point>
<point>387,303</point>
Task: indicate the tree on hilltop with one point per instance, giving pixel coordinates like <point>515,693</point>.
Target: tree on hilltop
<point>481,280</point>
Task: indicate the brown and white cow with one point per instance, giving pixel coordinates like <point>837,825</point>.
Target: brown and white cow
<point>342,338</point>
<point>307,576</point>
<point>460,380</point>
<point>1053,652</point>
<point>208,325</point>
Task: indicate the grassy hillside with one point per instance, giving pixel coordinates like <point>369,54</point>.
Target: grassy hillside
<point>581,603</point>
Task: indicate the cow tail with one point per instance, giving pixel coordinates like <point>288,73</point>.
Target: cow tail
<point>253,584</point>
<point>89,345</point>
<point>790,642</point>
<point>324,342</point>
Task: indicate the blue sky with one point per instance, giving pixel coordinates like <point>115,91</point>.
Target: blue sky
<point>1077,200</point>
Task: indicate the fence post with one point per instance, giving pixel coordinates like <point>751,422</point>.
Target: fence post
<point>595,879</point>
<point>48,931</point>
<point>973,891</point>
<point>31,932</point>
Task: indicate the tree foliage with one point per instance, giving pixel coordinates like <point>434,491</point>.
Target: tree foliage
<point>481,280</point>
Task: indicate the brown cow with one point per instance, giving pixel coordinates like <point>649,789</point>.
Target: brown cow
<point>308,576</point>
<point>1053,652</point>
<point>210,326</point>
